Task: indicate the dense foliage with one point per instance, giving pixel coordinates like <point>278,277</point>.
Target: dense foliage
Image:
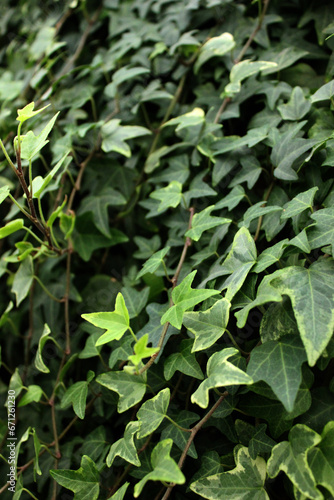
<point>166,268</point>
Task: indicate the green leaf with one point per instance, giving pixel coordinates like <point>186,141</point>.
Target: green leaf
<point>135,301</point>
<point>4,192</point>
<point>152,413</point>
<point>130,388</point>
<point>164,467</point>
<point>246,481</point>
<point>220,373</point>
<point>84,482</point>
<point>210,466</point>
<point>191,119</point>
<point>256,211</point>
<point>116,323</point>
<point>114,136</point>
<point>122,75</point>
<point>184,419</point>
<point>303,201</point>
<point>323,232</point>
<point>260,442</point>
<point>278,363</point>
<point>39,363</point>
<point>27,112</point>
<point>154,262</point>
<point>146,246</point>
<point>142,351</point>
<point>296,108</point>
<point>270,256</point>
<point>31,144</point>
<point>119,495</point>
<point>325,92</point>
<point>169,196</point>
<point>183,361</point>
<point>33,394</point>
<point>11,227</point>
<point>203,221</point>
<point>184,297</point>
<point>232,199</point>
<point>77,396</point>
<point>23,280</point>
<point>243,70</point>
<point>125,447</point>
<point>321,459</point>
<point>291,457</point>
<point>208,326</point>
<point>216,46</point>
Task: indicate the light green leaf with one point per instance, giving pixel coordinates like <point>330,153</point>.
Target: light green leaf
<point>303,201</point>
<point>291,457</point>
<point>4,192</point>
<point>301,241</point>
<point>116,323</point>
<point>184,297</point>
<point>216,46</point>
<point>245,482</point>
<point>191,119</point>
<point>256,211</point>
<point>31,144</point>
<point>164,467</point>
<point>130,388</point>
<point>220,373</point>
<point>321,459</point>
<point>297,107</point>
<point>270,256</point>
<point>323,232</point>
<point>135,300</point>
<point>243,70</point>
<point>232,199</point>
<point>142,351</point>
<point>203,221</point>
<point>23,280</point>
<point>37,447</point>
<point>325,92</point>
<point>125,447</point>
<point>183,361</point>
<point>39,184</point>
<point>154,262</point>
<point>39,363</point>
<point>114,136</point>
<point>279,363</point>
<point>11,227</point>
<point>77,396</point>
<point>33,394</point>
<point>152,413</point>
<point>27,112</point>
<point>169,196</point>
<point>119,495</point>
<point>122,75</point>
<point>208,326</point>
<point>84,482</point>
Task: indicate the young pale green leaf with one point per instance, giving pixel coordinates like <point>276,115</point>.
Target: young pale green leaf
<point>321,459</point>
<point>11,227</point>
<point>303,201</point>
<point>119,495</point>
<point>116,323</point>
<point>142,351</point>
<point>180,437</point>
<point>33,394</point>
<point>169,196</point>
<point>291,457</point>
<point>39,363</point>
<point>125,447</point>
<point>279,363</point>
<point>164,467</point>
<point>37,448</point>
<point>39,184</point>
<point>191,119</point>
<point>203,221</point>
<point>245,482</point>
<point>31,144</point>
<point>84,482</point>
<point>154,262</point>
<point>23,280</point>
<point>208,326</point>
<point>220,373</point>
<point>183,361</point>
<point>322,233</point>
<point>325,92</point>
<point>130,388</point>
<point>184,297</point>
<point>256,211</point>
<point>4,192</point>
<point>243,70</point>
<point>270,256</point>
<point>27,112</point>
<point>152,413</point>
<point>216,46</point>
<point>77,396</point>
<point>297,107</point>
<point>114,136</point>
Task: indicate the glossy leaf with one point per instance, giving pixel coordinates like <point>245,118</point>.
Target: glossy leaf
<point>83,482</point>
<point>183,361</point>
<point>216,46</point>
<point>23,280</point>
<point>125,446</point>
<point>152,413</point>
<point>203,221</point>
<point>169,196</point>
<point>31,144</point>
<point>154,262</point>
<point>77,396</point>
<point>130,388</point>
<point>142,351</point>
<point>299,203</point>
<point>11,227</point>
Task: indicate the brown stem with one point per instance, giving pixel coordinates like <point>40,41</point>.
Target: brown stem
<point>67,298</point>
<point>259,224</point>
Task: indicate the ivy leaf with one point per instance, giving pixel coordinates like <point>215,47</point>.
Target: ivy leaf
<point>208,326</point>
<point>278,363</point>
<point>243,70</point>
<point>11,227</point>
<point>216,46</point>
<point>27,112</point>
<point>119,495</point>
<point>142,351</point>
<point>154,262</point>
<point>169,196</point>
<point>246,481</point>
<point>23,280</point>
<point>325,92</point>
<point>270,256</point>
<point>210,466</point>
<point>297,107</point>
<point>146,246</point>
<point>4,192</point>
<point>323,232</point>
<point>116,323</point>
<point>183,361</point>
<point>303,201</point>
<point>164,467</point>
<point>84,482</point>
<point>130,388</point>
<point>114,136</point>
<point>203,221</point>
<point>125,447</point>
<point>180,437</point>
<point>135,301</point>
<point>39,184</point>
<point>291,457</point>
<point>33,394</point>
<point>184,297</point>
<point>77,396</point>
<point>321,459</point>
<point>152,413</point>
<point>31,144</point>
<point>191,119</point>
<point>39,363</point>
<point>256,211</point>
<point>220,373</point>
<point>260,442</point>
<point>232,199</point>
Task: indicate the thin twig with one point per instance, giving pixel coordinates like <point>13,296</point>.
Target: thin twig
<point>259,224</point>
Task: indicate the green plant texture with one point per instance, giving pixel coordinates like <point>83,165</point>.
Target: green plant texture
<point>166,249</point>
